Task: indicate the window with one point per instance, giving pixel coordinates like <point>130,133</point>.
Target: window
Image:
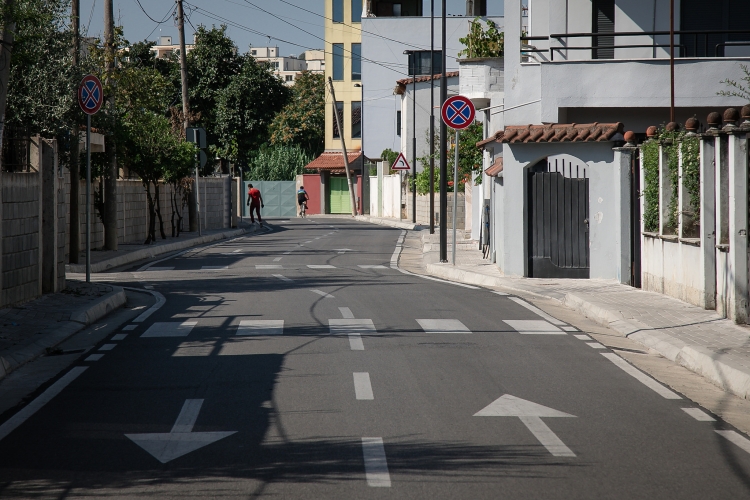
<point>398,123</point>
<point>356,120</point>
<point>338,11</point>
<point>419,62</point>
<point>356,11</point>
<point>716,16</point>
<point>340,110</point>
<point>356,61</point>
<point>254,52</point>
<point>289,78</point>
<point>338,61</point>
<point>603,22</point>
<point>275,64</point>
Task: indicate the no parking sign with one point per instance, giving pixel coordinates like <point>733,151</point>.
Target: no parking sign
<point>458,112</point>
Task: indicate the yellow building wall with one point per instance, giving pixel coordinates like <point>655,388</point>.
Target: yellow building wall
<point>346,33</point>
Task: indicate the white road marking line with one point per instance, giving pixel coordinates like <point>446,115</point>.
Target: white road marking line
<point>699,415</point>
<point>538,311</point>
<point>277,259</point>
<point>595,345</point>
<point>269,266</point>
<point>308,242</point>
<point>194,348</point>
<point>397,251</point>
<point>213,268</point>
<point>94,357</point>
<point>376,465</point>
<point>353,328</point>
<point>153,268</point>
<point>129,328</point>
<point>732,436</point>
<point>431,278</point>
<point>362,386</point>
<point>533,327</point>
<point>640,376</point>
<point>569,328</point>
<point>320,266</point>
<point>442,326</point>
<point>582,337</point>
<point>323,294</point>
<point>119,336</point>
<point>170,329</point>
<point>318,237</point>
<point>499,293</point>
<point>371,266</point>
<point>27,411</point>
<point>160,301</point>
<point>548,438</point>
<point>107,347</point>
<point>346,313</point>
<point>287,253</point>
<point>238,250</point>
<point>282,278</point>
<point>261,327</point>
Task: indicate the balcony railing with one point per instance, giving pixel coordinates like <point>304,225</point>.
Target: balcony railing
<point>704,43</point>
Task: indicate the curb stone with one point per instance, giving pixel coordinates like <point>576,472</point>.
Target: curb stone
<point>11,360</point>
<point>388,222</point>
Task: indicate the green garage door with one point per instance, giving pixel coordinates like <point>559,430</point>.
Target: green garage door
<point>339,196</point>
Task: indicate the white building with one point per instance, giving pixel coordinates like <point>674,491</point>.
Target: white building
<point>287,68</point>
<point>164,47</point>
<point>315,61</point>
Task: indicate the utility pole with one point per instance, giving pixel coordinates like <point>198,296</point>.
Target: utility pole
<point>110,178</point>
<point>193,197</point>
<point>443,155</point>
<point>352,199</point>
<point>432,117</point>
<point>75,173</point>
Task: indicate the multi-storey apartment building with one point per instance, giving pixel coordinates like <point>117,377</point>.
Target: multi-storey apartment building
<point>164,47</point>
<point>285,67</point>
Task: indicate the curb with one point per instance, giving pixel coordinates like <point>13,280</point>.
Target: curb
<point>388,222</point>
<point>79,320</point>
<point>695,358</point>
<point>146,253</point>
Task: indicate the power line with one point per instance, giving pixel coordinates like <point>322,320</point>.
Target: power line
<point>167,16</point>
<point>144,11</point>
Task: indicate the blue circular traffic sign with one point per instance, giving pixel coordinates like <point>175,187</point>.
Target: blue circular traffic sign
<point>90,94</point>
<point>458,112</point>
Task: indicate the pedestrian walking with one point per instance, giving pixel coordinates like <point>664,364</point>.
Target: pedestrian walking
<point>255,200</point>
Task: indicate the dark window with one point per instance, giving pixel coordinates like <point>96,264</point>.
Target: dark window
<point>398,123</point>
<point>356,61</point>
<point>338,61</point>
<point>356,11</point>
<point>717,15</point>
<point>603,22</point>
<point>338,11</point>
<point>419,62</point>
<point>356,120</point>
<point>340,110</point>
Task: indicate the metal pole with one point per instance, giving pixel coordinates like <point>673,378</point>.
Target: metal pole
<point>414,147</point>
<point>432,117</point>
<point>443,155</point>
<point>241,187</point>
<point>198,196</point>
<point>88,198</point>
<point>671,58</point>
<point>352,199</point>
<point>455,197</point>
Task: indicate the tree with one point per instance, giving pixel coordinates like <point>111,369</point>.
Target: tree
<point>302,121</point>
<point>483,43</point>
<point>278,163</point>
<point>245,108</point>
<point>737,88</point>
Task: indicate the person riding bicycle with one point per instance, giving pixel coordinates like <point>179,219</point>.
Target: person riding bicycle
<point>302,198</point>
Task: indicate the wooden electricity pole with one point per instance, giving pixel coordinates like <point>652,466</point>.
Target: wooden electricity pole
<point>193,196</point>
<point>352,198</point>
<point>112,172</point>
<point>9,31</point>
<point>75,133</point>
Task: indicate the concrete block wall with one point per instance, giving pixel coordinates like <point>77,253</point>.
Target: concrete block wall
<point>423,209</point>
<point>21,218</point>
<point>216,202</point>
<point>62,246</point>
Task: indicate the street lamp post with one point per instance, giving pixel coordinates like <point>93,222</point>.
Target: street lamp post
<point>414,137</point>
<point>365,173</point>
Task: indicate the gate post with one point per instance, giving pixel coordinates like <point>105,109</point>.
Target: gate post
<point>737,219</point>
<point>708,219</point>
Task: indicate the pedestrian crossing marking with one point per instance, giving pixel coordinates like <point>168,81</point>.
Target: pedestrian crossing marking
<point>442,326</point>
<point>534,327</point>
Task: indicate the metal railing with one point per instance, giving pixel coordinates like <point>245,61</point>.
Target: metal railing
<point>700,43</point>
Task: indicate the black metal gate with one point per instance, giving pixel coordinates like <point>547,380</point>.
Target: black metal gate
<point>558,221</point>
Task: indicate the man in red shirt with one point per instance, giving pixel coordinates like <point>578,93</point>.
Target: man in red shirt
<point>255,200</point>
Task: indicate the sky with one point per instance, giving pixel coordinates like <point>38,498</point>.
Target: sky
<point>297,30</point>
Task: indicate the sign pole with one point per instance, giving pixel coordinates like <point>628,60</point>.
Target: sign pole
<point>197,196</point>
<point>455,197</point>
<point>88,198</point>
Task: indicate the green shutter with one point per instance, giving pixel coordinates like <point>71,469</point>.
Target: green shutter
<point>340,196</point>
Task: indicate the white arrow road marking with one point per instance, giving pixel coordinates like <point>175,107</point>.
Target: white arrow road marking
<point>362,386</point>
<point>531,415</point>
<point>346,313</point>
<point>323,294</point>
<point>640,376</point>
<point>534,327</point>
<point>699,415</point>
<point>376,465</point>
<point>181,440</point>
<point>354,328</point>
<point>737,439</point>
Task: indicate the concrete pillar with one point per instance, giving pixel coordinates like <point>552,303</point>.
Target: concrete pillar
<point>323,188</point>
<point>665,190</point>
<point>708,221</point>
<point>235,201</point>
<point>622,162</point>
<point>49,220</point>
<point>738,164</point>
<point>381,167</point>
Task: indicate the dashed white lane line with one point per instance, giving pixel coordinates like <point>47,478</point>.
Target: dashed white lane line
<point>213,268</point>
<point>160,301</point>
<point>731,436</point>
<point>323,294</point>
<point>442,326</point>
<point>129,328</point>
<point>19,418</point>
<point>533,327</point>
<point>569,328</point>
<point>346,313</point>
<point>94,357</point>
<point>353,328</point>
<point>261,327</point>
<point>269,266</point>
<point>582,337</point>
<point>238,250</point>
<point>499,293</point>
<point>362,386</point>
<point>699,414</point>
<point>536,310</point>
<point>277,259</point>
<point>308,242</point>
<point>376,465</point>
<point>288,252</point>
<point>371,266</point>
<point>320,266</point>
<point>119,336</point>
<point>595,345</point>
<point>170,329</point>
<point>107,347</point>
<point>640,376</point>
<point>166,268</point>
<point>282,278</point>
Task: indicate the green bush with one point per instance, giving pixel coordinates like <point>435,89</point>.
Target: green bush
<point>277,163</point>
<point>650,166</point>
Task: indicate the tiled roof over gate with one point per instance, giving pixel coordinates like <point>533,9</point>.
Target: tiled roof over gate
<point>559,132</point>
<point>334,161</point>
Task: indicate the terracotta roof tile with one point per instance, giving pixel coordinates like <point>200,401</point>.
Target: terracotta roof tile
<point>561,132</point>
<point>426,78</point>
<point>495,168</point>
<point>497,136</point>
<point>334,161</point>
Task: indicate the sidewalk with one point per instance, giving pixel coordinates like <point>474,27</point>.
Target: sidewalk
<point>697,339</point>
<point>34,328</point>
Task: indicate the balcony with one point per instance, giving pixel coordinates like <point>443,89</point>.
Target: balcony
<point>394,8</point>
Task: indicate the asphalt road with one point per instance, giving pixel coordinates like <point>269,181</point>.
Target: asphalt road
<point>301,364</point>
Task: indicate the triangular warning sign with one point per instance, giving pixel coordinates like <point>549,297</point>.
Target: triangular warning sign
<point>400,163</point>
